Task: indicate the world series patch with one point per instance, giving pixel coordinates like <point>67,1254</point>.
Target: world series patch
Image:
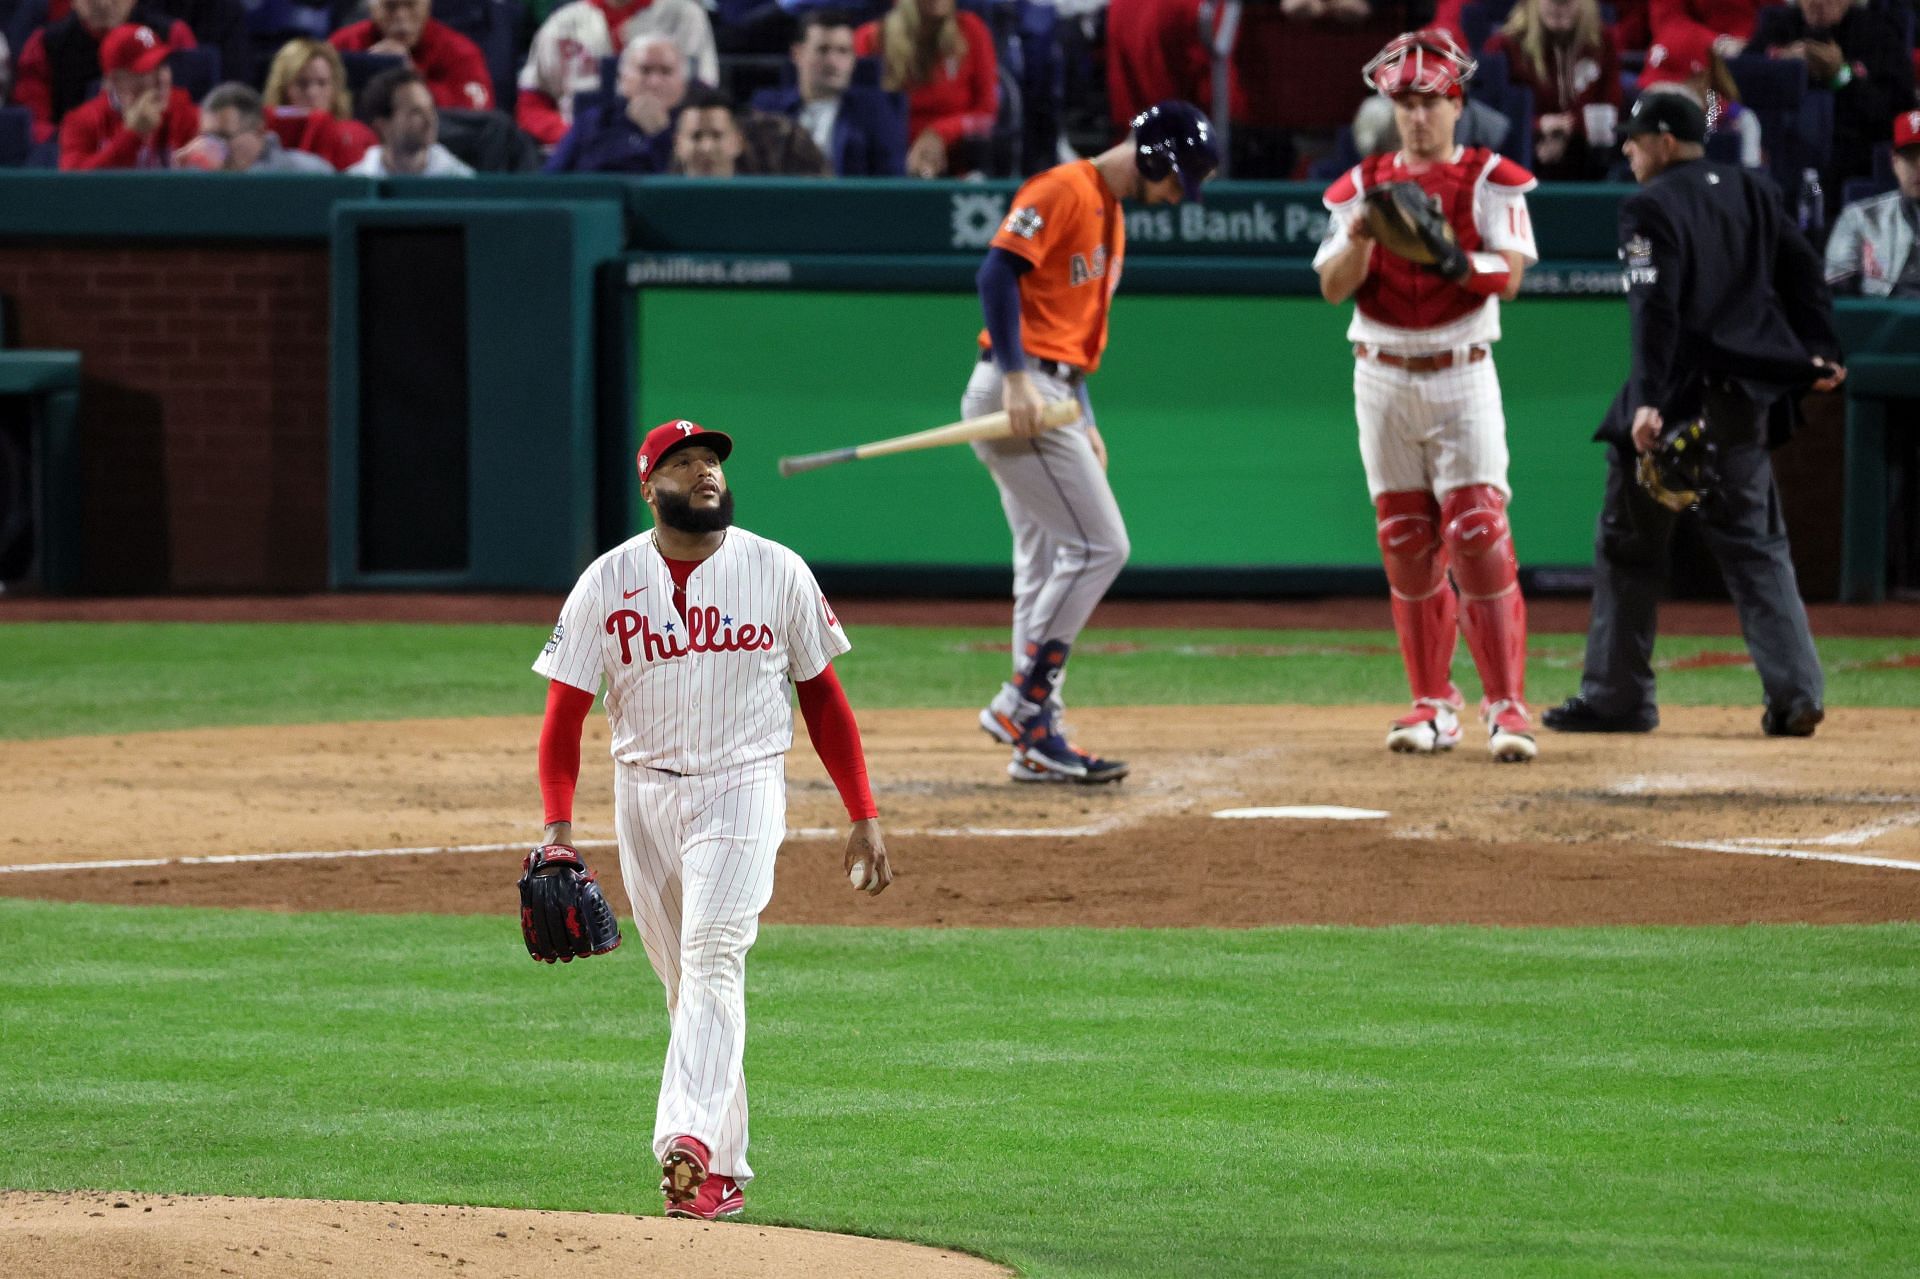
<point>1025,223</point>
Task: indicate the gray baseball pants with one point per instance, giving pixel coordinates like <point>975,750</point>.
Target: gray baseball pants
<point>1069,541</point>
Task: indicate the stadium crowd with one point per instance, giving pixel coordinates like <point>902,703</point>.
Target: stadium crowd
<point>1817,92</point>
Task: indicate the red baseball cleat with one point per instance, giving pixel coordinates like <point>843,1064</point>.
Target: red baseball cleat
<point>683,1169</point>
<point>1509,733</point>
<point>1431,726</point>
<point>719,1197</point>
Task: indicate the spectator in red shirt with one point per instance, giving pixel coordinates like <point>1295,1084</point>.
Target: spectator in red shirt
<point>942,58</point>
<point>1725,24</point>
<point>452,65</point>
<point>139,119</point>
<point>1560,50</point>
<point>1689,62</point>
<point>60,60</point>
<point>309,107</point>
<point>1154,52</point>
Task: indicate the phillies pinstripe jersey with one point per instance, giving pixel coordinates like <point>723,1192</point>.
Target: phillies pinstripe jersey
<point>703,687</point>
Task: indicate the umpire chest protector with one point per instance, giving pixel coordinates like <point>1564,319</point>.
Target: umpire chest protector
<point>1401,293</point>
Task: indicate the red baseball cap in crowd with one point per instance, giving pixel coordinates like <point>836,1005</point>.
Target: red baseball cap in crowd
<point>668,436</point>
<point>1677,56</point>
<point>132,47</point>
<point>1906,130</point>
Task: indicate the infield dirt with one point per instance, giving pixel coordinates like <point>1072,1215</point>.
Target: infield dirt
<point>1588,834</point>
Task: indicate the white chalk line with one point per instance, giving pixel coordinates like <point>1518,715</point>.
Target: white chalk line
<point>804,833</point>
<point>1800,854</point>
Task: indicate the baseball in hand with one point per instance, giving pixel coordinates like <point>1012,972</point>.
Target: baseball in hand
<point>858,875</point>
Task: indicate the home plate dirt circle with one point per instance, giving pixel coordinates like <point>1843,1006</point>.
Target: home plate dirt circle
<point>59,1235</point>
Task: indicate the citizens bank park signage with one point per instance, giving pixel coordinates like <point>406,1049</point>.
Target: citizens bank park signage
<point>1227,222</point>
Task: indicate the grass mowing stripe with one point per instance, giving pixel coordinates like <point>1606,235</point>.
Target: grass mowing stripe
<point>1398,1102</point>
<point>59,679</point>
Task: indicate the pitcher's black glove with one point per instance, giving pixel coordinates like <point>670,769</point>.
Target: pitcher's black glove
<point>563,913</point>
<point>1402,218</point>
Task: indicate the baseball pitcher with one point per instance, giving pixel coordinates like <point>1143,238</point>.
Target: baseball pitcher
<point>697,628</point>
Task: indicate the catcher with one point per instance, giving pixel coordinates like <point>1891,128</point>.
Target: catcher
<point>1426,241</point>
<point>1731,319</point>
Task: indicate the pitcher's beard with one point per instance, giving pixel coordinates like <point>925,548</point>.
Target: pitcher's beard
<point>677,512</point>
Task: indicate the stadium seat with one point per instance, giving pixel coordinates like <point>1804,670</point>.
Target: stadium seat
<point>1337,161</point>
<point>590,101</point>
<point>18,18</point>
<point>494,25</point>
<point>1724,147</point>
<point>744,74</point>
<point>1769,84</point>
<point>16,136</point>
<point>282,20</point>
<point>1883,163</point>
<point>362,67</point>
<point>488,141</point>
<point>1492,72</point>
<point>1517,105</point>
<point>1006,143</point>
<point>195,70</point>
<point>1857,189</point>
<point>1477,24</point>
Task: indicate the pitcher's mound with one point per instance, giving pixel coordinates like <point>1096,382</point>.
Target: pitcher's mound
<point>64,1234</point>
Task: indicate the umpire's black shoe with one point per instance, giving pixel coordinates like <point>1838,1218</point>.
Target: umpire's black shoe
<point>1797,719</point>
<point>1577,715</point>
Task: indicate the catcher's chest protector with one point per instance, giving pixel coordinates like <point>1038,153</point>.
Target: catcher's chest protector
<point>1396,291</point>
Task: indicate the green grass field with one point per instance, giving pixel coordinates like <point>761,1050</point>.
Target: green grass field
<point>1079,1103</point>
<point>1412,1101</point>
<point>58,679</point>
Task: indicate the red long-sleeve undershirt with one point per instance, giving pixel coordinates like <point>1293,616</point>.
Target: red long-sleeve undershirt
<point>836,740</point>
<point>823,704</point>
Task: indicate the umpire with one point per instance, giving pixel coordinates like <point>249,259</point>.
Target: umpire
<point>1731,320</point>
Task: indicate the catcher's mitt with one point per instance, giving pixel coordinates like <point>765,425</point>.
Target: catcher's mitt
<point>1681,468</point>
<point>563,913</point>
<point>1401,217</point>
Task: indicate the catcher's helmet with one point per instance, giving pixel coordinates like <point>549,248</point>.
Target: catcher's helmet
<point>1175,137</point>
<point>1429,61</point>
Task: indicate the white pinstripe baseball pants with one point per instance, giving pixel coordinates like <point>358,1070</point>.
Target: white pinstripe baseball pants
<point>697,855</point>
<point>1430,432</point>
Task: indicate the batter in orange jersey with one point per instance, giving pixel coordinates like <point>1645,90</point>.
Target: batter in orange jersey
<point>1045,289</point>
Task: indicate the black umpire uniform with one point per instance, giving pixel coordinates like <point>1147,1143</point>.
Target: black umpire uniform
<point>1729,309</point>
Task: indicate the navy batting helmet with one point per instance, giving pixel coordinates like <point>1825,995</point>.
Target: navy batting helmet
<point>1174,137</point>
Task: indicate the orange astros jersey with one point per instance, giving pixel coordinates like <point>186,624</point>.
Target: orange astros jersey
<point>1069,225</point>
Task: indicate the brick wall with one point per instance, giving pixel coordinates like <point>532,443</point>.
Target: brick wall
<point>204,410</point>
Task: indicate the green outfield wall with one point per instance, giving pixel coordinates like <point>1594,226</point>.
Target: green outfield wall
<point>1229,421</point>
<point>252,415</point>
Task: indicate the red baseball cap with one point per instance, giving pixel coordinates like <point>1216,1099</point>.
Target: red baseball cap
<point>1678,56</point>
<point>1906,130</point>
<point>668,436</point>
<point>132,47</point>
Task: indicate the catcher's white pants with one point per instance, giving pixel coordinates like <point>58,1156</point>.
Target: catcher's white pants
<point>1430,432</point>
<point>697,855</point>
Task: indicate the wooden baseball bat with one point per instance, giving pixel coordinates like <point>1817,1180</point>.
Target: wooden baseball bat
<point>991,426</point>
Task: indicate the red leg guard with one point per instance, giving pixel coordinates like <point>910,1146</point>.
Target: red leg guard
<point>1493,616</point>
<point>1423,604</point>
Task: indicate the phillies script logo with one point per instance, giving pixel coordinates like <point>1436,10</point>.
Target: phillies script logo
<point>707,631</point>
